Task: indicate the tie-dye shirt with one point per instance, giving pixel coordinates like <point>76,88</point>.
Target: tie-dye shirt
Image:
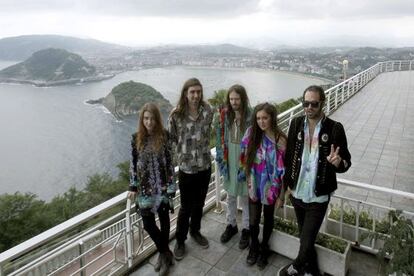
<point>309,167</point>
<point>267,169</point>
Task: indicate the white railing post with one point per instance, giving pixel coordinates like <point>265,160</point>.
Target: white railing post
<point>357,223</point>
<point>328,106</point>
<point>400,66</point>
<point>128,233</point>
<point>336,98</point>
<point>219,207</point>
<point>348,85</point>
<point>82,259</point>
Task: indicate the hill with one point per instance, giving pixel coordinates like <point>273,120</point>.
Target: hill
<point>127,98</point>
<point>22,47</point>
<point>50,67</point>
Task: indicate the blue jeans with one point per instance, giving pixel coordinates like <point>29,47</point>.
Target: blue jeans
<point>309,217</point>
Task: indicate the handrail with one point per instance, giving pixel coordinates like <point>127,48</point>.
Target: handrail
<point>385,190</point>
<point>336,96</point>
<point>60,229</point>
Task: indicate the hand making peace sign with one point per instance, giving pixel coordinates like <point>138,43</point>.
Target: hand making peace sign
<point>334,157</point>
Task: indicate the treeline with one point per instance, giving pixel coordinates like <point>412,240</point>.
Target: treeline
<point>23,216</point>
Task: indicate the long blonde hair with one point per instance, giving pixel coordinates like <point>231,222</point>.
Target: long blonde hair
<point>158,134</point>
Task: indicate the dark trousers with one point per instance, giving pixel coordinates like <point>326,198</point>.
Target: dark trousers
<point>309,217</point>
<point>159,236</point>
<point>255,213</point>
<point>193,192</point>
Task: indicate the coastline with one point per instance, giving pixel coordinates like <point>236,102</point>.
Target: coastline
<point>77,81</point>
<point>324,79</point>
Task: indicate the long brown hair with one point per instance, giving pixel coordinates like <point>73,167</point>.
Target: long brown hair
<point>158,134</point>
<point>256,134</point>
<point>245,106</point>
<point>182,102</point>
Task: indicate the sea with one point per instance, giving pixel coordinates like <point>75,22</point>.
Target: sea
<point>52,140</point>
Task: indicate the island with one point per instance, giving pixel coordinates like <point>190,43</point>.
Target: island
<point>127,98</point>
<point>50,67</point>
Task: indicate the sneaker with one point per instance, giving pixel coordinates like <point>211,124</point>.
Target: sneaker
<point>288,270</point>
<point>200,239</point>
<point>244,239</point>
<point>228,233</point>
<point>179,251</point>
<point>252,257</point>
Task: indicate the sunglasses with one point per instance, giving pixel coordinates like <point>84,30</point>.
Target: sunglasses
<point>312,104</point>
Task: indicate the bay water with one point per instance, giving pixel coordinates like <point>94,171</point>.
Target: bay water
<point>51,139</point>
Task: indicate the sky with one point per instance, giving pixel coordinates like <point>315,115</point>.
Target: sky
<point>259,24</point>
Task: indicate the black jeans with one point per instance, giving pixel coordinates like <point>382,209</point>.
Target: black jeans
<point>309,217</point>
<point>160,237</point>
<point>193,192</point>
<point>255,213</point>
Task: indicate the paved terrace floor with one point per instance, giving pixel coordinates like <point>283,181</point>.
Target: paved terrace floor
<point>379,124</point>
<point>227,259</point>
<point>380,128</point>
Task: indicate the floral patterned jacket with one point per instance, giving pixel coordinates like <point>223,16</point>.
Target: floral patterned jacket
<point>151,174</point>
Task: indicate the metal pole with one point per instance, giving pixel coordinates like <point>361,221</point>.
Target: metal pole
<point>328,107</point>
<point>341,219</point>
<point>219,208</point>
<point>81,259</point>
<point>357,224</point>
<point>129,233</point>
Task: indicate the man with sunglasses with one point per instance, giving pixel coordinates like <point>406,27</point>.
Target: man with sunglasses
<point>316,150</point>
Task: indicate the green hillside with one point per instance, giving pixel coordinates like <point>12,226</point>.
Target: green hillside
<point>49,65</point>
<point>127,98</point>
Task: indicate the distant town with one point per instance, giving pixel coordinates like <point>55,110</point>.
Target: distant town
<point>326,63</point>
<point>110,59</point>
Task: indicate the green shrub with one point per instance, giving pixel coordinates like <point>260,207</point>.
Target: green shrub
<point>399,244</point>
<point>365,219</point>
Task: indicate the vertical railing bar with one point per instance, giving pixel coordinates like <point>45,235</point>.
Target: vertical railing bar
<point>357,223</point>
<point>341,219</point>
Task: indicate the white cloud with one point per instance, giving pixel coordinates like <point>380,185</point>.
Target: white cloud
<point>265,22</point>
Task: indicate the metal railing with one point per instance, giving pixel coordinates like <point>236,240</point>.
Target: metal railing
<point>116,243</point>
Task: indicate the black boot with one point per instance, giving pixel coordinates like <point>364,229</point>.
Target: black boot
<point>252,256</point>
<point>166,262</point>
<point>262,261</point>
<point>228,233</point>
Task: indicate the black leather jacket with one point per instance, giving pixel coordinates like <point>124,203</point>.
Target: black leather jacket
<point>331,132</point>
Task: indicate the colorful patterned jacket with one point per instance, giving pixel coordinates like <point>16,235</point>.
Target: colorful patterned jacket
<point>151,174</point>
<point>267,171</point>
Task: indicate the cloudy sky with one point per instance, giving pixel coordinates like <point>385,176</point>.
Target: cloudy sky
<point>260,23</point>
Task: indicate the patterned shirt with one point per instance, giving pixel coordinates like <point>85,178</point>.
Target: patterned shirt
<point>309,168</point>
<point>192,138</point>
<point>267,169</point>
